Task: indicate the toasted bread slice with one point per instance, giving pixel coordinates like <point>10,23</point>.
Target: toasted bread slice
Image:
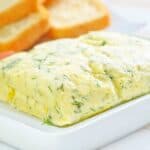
<point>48,2</point>
<point>70,18</point>
<point>6,54</point>
<point>13,10</point>
<point>42,1</point>
<point>24,33</point>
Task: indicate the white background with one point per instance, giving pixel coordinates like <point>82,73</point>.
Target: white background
<point>136,13</point>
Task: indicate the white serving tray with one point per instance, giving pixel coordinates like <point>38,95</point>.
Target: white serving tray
<point>28,133</point>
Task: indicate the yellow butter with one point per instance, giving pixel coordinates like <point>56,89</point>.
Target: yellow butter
<point>65,81</point>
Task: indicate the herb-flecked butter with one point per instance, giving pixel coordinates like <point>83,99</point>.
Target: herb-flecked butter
<point>65,81</point>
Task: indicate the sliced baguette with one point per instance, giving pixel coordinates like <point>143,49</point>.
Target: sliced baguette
<point>13,10</point>
<point>70,18</point>
<point>42,1</point>
<point>48,2</point>
<point>24,33</point>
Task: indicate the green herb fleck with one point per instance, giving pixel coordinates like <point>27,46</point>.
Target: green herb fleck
<point>57,108</point>
<point>33,78</point>
<point>103,43</point>
<point>84,97</point>
<point>40,93</point>
<point>73,97</point>
<point>48,121</point>
<point>130,81</point>
<point>65,77</point>
<point>11,64</point>
<point>111,77</point>
<point>61,87</point>
<point>130,72</point>
<point>98,84</point>
<point>51,53</point>
<point>92,109</point>
<point>51,63</point>
<point>84,69</point>
<point>77,104</point>
<point>122,85</point>
<point>39,60</point>
<point>95,41</point>
<point>77,111</point>
<point>106,72</point>
<point>50,89</point>
<point>67,63</point>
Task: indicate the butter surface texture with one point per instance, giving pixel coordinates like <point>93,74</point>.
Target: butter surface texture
<point>65,81</point>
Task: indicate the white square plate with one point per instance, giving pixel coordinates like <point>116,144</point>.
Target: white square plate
<point>24,132</point>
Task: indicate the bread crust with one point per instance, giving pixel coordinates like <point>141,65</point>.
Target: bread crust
<point>18,11</point>
<point>81,28</point>
<point>42,1</point>
<point>30,36</point>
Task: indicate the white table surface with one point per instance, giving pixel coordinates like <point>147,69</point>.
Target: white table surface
<point>139,140</point>
<point>130,11</point>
